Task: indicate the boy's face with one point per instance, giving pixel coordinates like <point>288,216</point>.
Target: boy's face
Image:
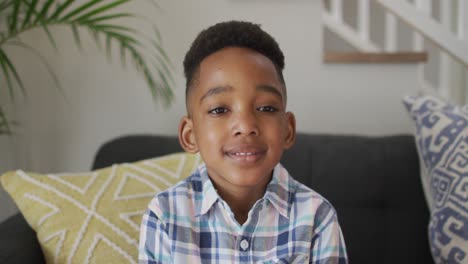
<point>237,118</point>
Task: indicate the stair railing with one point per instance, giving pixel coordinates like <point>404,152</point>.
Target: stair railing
<point>449,33</point>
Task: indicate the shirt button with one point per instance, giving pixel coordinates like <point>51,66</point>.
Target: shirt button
<point>244,244</point>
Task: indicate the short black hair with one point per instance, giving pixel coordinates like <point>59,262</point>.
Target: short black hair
<point>231,34</point>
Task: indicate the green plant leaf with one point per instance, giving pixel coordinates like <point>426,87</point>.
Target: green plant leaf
<point>60,8</point>
<point>76,35</point>
<point>31,7</point>
<point>161,63</point>
<point>155,4</point>
<point>43,60</point>
<point>5,4</point>
<point>97,16</point>
<point>80,9</point>
<point>49,35</point>
<point>162,52</point>
<point>119,36</point>
<point>101,9</point>
<point>105,17</point>
<point>4,125</point>
<point>122,56</point>
<point>7,76</point>
<point>166,88</point>
<point>5,61</point>
<point>14,16</point>
<point>110,27</point>
<point>41,17</point>
<point>95,36</point>
<point>109,47</point>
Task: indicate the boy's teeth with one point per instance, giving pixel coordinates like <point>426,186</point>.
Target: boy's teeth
<point>243,153</point>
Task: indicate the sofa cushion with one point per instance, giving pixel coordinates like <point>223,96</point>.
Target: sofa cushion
<point>18,243</point>
<point>94,216</point>
<point>442,140</point>
<point>373,183</point>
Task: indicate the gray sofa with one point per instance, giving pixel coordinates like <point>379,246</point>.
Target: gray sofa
<point>373,182</point>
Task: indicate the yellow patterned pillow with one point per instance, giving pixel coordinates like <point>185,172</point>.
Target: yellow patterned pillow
<point>94,217</point>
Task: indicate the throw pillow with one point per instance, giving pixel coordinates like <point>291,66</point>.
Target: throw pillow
<point>442,141</point>
<point>94,217</point>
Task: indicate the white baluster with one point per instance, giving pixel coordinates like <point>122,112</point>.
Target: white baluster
<point>390,32</point>
<point>462,32</point>
<point>462,20</point>
<point>424,6</point>
<point>445,65</point>
<point>363,19</point>
<point>334,21</point>
<point>466,86</point>
<point>336,7</point>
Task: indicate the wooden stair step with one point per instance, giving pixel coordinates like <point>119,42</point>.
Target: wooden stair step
<point>372,57</point>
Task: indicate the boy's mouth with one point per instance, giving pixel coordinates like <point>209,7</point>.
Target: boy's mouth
<point>246,154</point>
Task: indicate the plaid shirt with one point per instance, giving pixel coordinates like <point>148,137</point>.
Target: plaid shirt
<point>190,223</point>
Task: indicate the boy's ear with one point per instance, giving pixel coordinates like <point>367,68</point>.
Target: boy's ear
<point>291,130</point>
<point>186,135</point>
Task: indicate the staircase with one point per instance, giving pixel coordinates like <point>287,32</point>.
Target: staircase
<point>443,24</point>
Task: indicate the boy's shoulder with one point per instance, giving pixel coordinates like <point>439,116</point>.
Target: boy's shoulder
<point>311,205</point>
<point>304,200</point>
<point>313,198</point>
<point>305,192</point>
<point>186,192</point>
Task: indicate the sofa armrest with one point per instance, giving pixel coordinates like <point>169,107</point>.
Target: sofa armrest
<point>18,242</point>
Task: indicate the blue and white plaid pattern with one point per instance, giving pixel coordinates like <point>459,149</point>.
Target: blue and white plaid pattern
<point>190,223</point>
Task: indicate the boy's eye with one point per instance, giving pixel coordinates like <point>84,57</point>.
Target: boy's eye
<point>218,110</point>
<point>267,108</point>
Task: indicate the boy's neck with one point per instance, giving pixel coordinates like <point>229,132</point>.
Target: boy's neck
<point>241,199</point>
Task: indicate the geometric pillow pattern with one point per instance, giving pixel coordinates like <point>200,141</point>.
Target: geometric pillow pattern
<point>94,217</point>
<point>442,141</point>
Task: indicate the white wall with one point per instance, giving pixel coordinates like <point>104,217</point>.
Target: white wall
<point>105,101</point>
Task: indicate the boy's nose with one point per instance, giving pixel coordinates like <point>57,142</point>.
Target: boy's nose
<point>245,124</point>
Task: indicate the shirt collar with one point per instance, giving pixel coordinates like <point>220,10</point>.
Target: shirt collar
<point>210,195</point>
<point>278,191</point>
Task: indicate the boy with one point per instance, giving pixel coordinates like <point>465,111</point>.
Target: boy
<point>241,205</point>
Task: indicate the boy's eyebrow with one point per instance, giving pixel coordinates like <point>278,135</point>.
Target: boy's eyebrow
<point>222,89</point>
<point>216,90</point>
<point>269,89</point>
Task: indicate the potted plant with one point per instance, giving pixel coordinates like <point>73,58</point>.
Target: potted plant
<point>101,19</point>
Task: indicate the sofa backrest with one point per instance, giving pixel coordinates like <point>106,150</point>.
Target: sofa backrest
<point>373,183</point>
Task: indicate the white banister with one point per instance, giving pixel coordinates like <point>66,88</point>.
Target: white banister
<point>466,86</point>
<point>462,32</point>
<point>424,6</point>
<point>348,34</point>
<point>445,39</point>
<point>445,65</point>
<point>363,19</point>
<point>462,20</point>
<point>450,34</point>
<point>446,9</point>
<point>390,32</point>
<point>336,8</point>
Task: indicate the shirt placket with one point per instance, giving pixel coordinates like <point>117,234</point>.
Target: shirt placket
<point>246,237</point>
<point>244,244</point>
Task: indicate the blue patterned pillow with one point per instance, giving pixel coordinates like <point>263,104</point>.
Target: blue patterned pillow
<point>442,141</point>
